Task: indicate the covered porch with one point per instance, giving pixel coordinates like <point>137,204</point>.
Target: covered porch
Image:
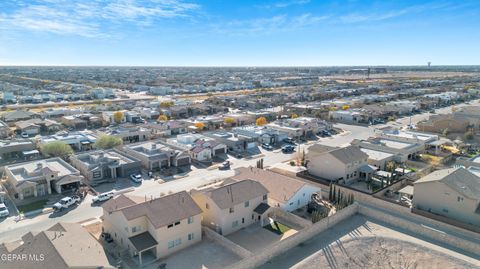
<point>145,248</point>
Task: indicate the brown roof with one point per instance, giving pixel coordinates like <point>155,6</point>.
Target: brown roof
<point>280,188</point>
<point>161,211</point>
<point>64,245</point>
<point>236,193</point>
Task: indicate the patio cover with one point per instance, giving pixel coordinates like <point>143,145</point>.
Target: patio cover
<point>367,169</point>
<point>143,241</point>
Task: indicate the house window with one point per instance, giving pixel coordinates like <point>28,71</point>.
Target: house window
<point>459,199</point>
<point>190,220</point>
<point>171,244</point>
<point>243,220</point>
<point>247,203</point>
<point>178,241</point>
<point>235,224</point>
<point>264,197</point>
<point>348,176</point>
<point>170,226</point>
<point>232,210</point>
<point>177,223</point>
<point>355,173</point>
<point>135,229</point>
<point>252,217</point>
<point>303,194</point>
<point>445,210</point>
<point>207,206</point>
<point>291,203</point>
<point>190,236</point>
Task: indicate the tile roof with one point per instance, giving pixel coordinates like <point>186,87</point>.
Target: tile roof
<point>348,154</point>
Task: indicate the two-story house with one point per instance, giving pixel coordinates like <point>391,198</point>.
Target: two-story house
<point>232,206</point>
<point>157,227</point>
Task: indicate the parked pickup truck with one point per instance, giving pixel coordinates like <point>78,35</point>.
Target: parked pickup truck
<point>66,202</point>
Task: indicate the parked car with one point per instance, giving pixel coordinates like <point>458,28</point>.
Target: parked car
<point>24,135</point>
<point>238,155</point>
<point>267,146</point>
<point>225,165</point>
<point>103,197</point>
<point>288,148</point>
<point>137,178</point>
<point>66,202</point>
<point>3,211</point>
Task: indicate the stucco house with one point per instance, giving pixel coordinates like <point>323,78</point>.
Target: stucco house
<point>232,206</point>
<point>343,165</point>
<point>157,227</point>
<point>285,192</point>
<point>38,178</point>
<point>453,193</point>
<point>105,165</point>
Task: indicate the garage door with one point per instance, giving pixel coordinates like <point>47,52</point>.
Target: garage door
<point>251,145</point>
<point>183,161</point>
<point>219,151</point>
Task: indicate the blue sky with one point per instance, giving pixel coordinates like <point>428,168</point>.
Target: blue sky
<point>239,33</point>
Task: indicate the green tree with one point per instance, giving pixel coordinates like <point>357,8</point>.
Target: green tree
<point>469,135</point>
<point>108,142</point>
<point>56,149</point>
<point>330,195</point>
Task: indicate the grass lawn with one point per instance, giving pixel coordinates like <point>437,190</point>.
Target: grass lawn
<point>277,227</point>
<point>32,206</point>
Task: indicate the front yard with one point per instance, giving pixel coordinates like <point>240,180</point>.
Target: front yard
<point>32,206</point>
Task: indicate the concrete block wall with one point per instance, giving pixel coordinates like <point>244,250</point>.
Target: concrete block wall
<point>294,240</point>
<point>472,246</point>
<point>226,243</point>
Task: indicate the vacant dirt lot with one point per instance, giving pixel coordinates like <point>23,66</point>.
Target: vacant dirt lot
<point>359,242</point>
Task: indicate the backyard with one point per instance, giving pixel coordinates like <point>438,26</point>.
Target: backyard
<point>277,227</point>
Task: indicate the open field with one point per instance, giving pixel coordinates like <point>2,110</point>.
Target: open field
<point>360,242</point>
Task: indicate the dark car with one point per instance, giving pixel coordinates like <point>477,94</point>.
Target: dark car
<point>288,148</point>
<point>289,141</point>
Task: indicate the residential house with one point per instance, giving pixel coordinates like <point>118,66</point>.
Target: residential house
<point>155,155</point>
<point>261,134</point>
<point>345,165</point>
<point>233,141</point>
<point>129,133</point>
<point>232,206</point>
<point>18,149</point>
<point>4,130</point>
<point>453,193</point>
<point>64,245</point>
<point>38,178</point>
<point>18,115</point>
<point>285,192</point>
<point>444,123</point>
<point>469,113</point>
<point>156,227</point>
<point>105,165</point>
<point>36,126</point>
<point>201,148</point>
<point>78,140</point>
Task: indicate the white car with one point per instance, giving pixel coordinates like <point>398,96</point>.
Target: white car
<point>66,202</point>
<point>24,135</point>
<point>3,210</point>
<point>103,197</point>
<point>137,178</point>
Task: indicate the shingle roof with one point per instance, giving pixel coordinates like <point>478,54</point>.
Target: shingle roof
<point>348,154</point>
<point>459,179</point>
<point>143,241</point>
<point>236,193</point>
<point>161,211</point>
<point>280,188</point>
<point>64,245</point>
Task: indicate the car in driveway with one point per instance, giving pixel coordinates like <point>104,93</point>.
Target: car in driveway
<point>24,135</point>
<point>267,146</point>
<point>225,165</point>
<point>3,211</point>
<point>137,178</point>
<point>288,149</point>
<point>103,197</point>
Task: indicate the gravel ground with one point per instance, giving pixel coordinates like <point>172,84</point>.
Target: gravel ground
<point>360,242</point>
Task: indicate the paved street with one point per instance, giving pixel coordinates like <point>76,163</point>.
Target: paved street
<point>10,230</point>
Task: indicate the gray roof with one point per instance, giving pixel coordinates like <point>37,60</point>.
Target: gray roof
<point>236,193</point>
<point>348,154</point>
<point>459,179</point>
<point>64,245</point>
<point>261,208</point>
<point>161,211</point>
<point>143,241</point>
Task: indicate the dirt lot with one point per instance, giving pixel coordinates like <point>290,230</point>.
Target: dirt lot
<point>364,243</point>
<point>204,255</point>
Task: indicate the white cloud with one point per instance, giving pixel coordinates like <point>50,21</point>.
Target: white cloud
<point>84,18</point>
